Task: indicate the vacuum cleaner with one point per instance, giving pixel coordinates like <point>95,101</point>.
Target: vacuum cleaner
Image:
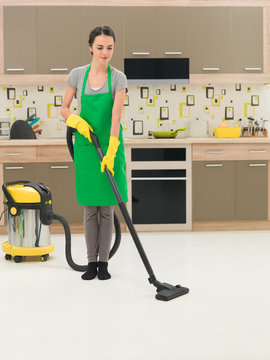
<point>30,213</point>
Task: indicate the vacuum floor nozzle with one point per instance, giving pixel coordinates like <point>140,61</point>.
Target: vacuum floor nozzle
<point>170,292</point>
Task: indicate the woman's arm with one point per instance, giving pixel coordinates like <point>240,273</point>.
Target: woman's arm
<point>69,94</point>
<point>118,104</point>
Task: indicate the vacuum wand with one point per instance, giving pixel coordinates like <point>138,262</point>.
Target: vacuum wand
<point>165,291</point>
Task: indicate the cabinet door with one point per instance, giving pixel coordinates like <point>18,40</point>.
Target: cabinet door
<point>58,39</point>
<point>59,177</point>
<point>251,190</point>
<point>247,39</point>
<point>92,16</point>
<point>210,39</point>
<point>20,39</point>
<point>173,31</point>
<point>140,31</point>
<point>20,171</point>
<point>213,189</point>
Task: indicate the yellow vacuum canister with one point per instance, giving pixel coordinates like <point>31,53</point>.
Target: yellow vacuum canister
<point>29,216</point>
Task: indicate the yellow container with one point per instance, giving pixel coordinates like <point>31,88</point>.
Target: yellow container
<point>227,132</point>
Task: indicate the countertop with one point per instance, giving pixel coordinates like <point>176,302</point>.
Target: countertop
<point>131,141</point>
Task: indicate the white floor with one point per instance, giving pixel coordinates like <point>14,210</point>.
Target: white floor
<point>48,312</point>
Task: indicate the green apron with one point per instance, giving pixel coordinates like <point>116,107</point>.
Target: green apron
<point>92,186</point>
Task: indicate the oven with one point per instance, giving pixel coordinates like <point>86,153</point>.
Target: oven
<point>161,188</point>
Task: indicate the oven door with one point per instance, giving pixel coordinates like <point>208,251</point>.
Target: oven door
<point>159,196</point>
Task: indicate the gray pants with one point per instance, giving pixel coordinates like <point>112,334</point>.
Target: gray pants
<point>98,228</point>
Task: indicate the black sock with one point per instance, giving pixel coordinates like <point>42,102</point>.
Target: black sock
<point>91,272</point>
<point>103,273</point>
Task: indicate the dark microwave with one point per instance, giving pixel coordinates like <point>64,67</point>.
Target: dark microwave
<point>157,70</point>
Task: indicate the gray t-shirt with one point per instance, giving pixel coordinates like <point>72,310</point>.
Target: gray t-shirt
<point>76,77</point>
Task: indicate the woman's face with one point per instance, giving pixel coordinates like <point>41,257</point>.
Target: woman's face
<point>102,48</point>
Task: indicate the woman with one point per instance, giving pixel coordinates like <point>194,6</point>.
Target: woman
<point>100,93</point>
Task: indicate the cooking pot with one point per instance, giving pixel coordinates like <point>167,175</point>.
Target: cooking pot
<point>167,134</point>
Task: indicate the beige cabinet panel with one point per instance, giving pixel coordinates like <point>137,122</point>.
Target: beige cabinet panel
<point>173,27</point>
<point>140,26</point>
<point>19,171</point>
<point>20,39</point>
<point>213,190</point>
<point>92,16</point>
<point>251,190</point>
<point>210,39</point>
<point>58,39</point>
<point>59,178</point>
<point>247,39</point>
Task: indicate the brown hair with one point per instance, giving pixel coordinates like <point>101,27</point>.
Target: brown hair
<point>100,30</point>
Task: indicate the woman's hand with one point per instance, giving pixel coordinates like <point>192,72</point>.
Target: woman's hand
<point>77,122</point>
<point>108,159</point>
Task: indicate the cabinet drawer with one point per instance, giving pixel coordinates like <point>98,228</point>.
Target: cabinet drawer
<point>53,153</point>
<point>18,154</point>
<point>208,152</point>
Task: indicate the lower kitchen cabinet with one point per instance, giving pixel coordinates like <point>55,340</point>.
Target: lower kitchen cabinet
<point>213,190</point>
<point>20,171</point>
<point>59,178</point>
<point>251,190</point>
<point>229,190</point>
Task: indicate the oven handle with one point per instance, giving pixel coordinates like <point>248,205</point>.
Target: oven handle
<point>158,178</point>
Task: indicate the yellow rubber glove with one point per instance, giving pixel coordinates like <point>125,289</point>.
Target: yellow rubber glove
<point>108,159</point>
<point>77,122</point>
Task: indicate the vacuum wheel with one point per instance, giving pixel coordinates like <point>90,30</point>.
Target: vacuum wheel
<point>44,257</point>
<point>8,257</point>
<point>17,259</point>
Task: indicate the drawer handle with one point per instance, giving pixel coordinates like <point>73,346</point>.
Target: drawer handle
<point>140,53</point>
<point>211,68</point>
<point>253,69</point>
<point>158,178</point>
<point>15,69</point>
<point>257,151</point>
<point>14,167</point>
<point>214,152</point>
<point>59,69</point>
<point>214,165</point>
<point>256,165</point>
<point>173,52</point>
<point>59,167</point>
<point>13,154</point>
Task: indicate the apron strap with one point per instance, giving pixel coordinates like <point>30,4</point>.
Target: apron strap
<point>86,78</point>
<point>109,78</point>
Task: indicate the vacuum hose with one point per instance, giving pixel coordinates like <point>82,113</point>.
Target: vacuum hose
<point>70,261</point>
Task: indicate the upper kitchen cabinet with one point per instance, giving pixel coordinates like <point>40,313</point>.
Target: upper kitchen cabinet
<point>140,28</point>
<point>247,39</point>
<point>20,40</point>
<point>92,16</point>
<point>173,31</point>
<point>58,39</point>
<point>210,40</point>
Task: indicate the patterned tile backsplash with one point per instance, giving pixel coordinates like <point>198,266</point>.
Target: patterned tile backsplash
<point>147,108</point>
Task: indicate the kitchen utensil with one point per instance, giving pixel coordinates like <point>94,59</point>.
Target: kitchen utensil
<point>34,121</point>
<point>38,131</point>
<point>167,134</point>
<point>30,118</point>
<point>20,129</point>
<point>250,126</point>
